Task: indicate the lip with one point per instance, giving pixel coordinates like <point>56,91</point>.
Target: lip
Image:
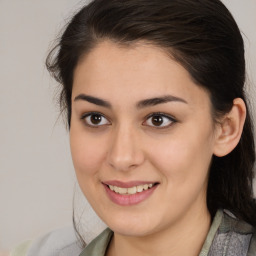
<point>128,200</point>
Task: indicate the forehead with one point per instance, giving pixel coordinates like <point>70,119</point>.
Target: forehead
<point>140,70</point>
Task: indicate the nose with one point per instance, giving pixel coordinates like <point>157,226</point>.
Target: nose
<point>125,152</point>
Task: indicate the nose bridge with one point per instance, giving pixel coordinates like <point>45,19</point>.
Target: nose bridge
<point>124,150</point>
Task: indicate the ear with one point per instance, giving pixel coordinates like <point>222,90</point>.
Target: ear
<point>228,132</point>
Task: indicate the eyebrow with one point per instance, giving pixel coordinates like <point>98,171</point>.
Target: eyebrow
<point>141,104</point>
<point>94,100</point>
<point>159,100</point>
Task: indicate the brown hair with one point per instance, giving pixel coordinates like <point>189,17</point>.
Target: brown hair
<point>204,38</point>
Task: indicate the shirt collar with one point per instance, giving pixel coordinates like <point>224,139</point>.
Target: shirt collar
<point>99,245</point>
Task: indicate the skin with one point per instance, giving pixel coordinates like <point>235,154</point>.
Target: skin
<point>126,146</point>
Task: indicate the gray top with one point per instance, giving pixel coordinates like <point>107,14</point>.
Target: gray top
<point>227,237</point>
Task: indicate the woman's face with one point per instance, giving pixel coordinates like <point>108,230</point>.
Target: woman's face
<point>142,138</point>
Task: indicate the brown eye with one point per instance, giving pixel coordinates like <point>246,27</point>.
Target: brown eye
<point>159,120</point>
<point>95,120</point>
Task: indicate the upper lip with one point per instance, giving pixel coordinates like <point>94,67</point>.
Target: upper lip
<point>128,184</point>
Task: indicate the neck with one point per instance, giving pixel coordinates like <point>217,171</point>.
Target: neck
<point>184,238</point>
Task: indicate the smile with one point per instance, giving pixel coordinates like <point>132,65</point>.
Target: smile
<point>131,193</point>
<point>131,190</point>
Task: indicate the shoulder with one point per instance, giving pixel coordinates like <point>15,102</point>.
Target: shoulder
<point>252,248</point>
<point>235,237</point>
<point>60,242</point>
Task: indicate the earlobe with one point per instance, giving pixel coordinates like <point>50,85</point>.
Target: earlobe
<point>230,129</point>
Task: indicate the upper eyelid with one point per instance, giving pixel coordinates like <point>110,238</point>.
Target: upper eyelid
<point>162,114</point>
<point>93,113</point>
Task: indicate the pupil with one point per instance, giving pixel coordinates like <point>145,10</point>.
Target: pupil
<point>95,119</point>
<point>157,120</point>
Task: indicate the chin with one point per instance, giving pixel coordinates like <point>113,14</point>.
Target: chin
<point>132,225</point>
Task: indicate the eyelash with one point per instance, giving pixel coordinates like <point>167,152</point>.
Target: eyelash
<point>171,119</point>
<point>83,117</point>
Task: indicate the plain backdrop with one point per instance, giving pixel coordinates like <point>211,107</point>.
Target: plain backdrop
<point>36,173</point>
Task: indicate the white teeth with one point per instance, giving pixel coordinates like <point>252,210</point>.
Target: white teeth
<point>132,190</point>
<point>145,187</point>
<point>123,191</point>
<point>116,189</point>
<point>139,189</point>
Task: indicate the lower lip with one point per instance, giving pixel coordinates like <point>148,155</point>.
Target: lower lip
<point>128,200</point>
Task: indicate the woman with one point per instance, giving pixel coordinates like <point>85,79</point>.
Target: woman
<point>160,130</point>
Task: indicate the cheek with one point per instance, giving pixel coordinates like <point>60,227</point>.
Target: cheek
<point>87,154</point>
<point>183,159</point>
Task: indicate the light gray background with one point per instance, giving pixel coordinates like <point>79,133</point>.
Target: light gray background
<point>36,173</point>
